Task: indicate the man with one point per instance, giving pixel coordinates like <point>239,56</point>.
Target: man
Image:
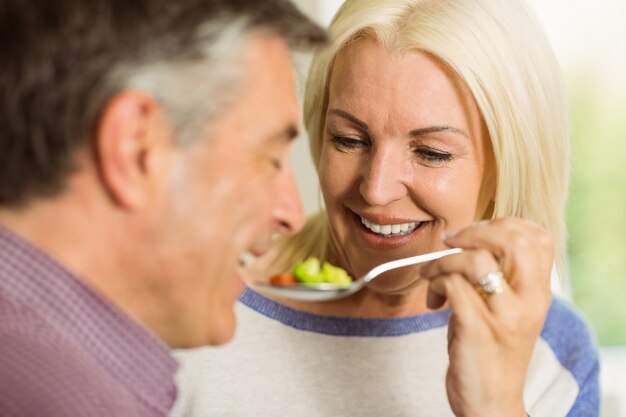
<point>143,150</point>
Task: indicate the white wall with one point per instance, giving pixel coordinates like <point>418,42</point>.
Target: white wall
<point>306,177</point>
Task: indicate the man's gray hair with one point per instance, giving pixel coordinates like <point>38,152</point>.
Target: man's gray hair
<point>62,62</point>
<point>193,91</point>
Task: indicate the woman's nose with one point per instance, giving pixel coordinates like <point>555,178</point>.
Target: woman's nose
<point>287,212</point>
<point>385,178</point>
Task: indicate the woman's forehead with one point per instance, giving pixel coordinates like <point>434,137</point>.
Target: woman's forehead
<point>367,77</point>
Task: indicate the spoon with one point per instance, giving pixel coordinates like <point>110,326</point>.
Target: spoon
<point>328,291</point>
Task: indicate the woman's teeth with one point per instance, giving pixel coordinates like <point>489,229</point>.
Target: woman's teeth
<point>390,229</point>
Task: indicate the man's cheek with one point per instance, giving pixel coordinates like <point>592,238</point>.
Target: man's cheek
<point>251,216</point>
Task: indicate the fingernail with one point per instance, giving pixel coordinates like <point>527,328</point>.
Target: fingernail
<point>481,223</point>
<point>449,233</point>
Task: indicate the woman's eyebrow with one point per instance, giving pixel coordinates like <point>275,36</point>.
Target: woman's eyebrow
<point>342,113</point>
<point>434,129</point>
<point>414,133</point>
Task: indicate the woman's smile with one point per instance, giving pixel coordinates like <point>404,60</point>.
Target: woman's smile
<point>384,232</point>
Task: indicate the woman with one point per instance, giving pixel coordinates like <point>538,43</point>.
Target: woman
<point>433,124</point>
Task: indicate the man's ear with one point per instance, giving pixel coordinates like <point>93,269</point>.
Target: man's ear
<point>128,133</point>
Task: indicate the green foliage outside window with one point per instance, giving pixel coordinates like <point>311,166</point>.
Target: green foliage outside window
<point>597,208</point>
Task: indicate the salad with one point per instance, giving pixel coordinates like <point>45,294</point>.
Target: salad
<point>312,271</point>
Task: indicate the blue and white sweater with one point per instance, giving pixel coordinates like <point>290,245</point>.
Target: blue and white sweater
<point>284,362</point>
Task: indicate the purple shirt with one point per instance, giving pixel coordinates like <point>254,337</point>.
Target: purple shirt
<point>67,351</point>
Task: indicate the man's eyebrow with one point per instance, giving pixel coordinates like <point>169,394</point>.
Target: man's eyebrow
<point>291,132</point>
<point>415,132</point>
<point>435,129</point>
<point>342,113</point>
<point>288,134</point>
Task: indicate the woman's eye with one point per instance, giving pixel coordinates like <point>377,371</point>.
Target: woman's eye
<point>433,157</point>
<point>346,143</point>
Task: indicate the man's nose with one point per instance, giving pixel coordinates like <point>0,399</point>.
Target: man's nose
<point>385,176</point>
<point>288,214</point>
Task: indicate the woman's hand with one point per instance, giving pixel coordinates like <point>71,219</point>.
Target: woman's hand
<point>491,336</point>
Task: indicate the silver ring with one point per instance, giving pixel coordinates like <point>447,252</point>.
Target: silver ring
<point>492,283</point>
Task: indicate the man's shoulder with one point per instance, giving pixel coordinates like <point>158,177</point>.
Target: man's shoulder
<point>43,372</point>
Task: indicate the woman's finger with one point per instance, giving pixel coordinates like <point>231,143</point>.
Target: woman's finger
<point>461,296</point>
<point>523,251</point>
<point>471,263</point>
<point>481,271</point>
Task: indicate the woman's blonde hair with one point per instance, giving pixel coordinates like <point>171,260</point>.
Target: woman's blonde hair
<point>500,51</point>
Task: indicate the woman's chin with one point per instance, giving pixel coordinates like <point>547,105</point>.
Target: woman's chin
<point>395,286</point>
